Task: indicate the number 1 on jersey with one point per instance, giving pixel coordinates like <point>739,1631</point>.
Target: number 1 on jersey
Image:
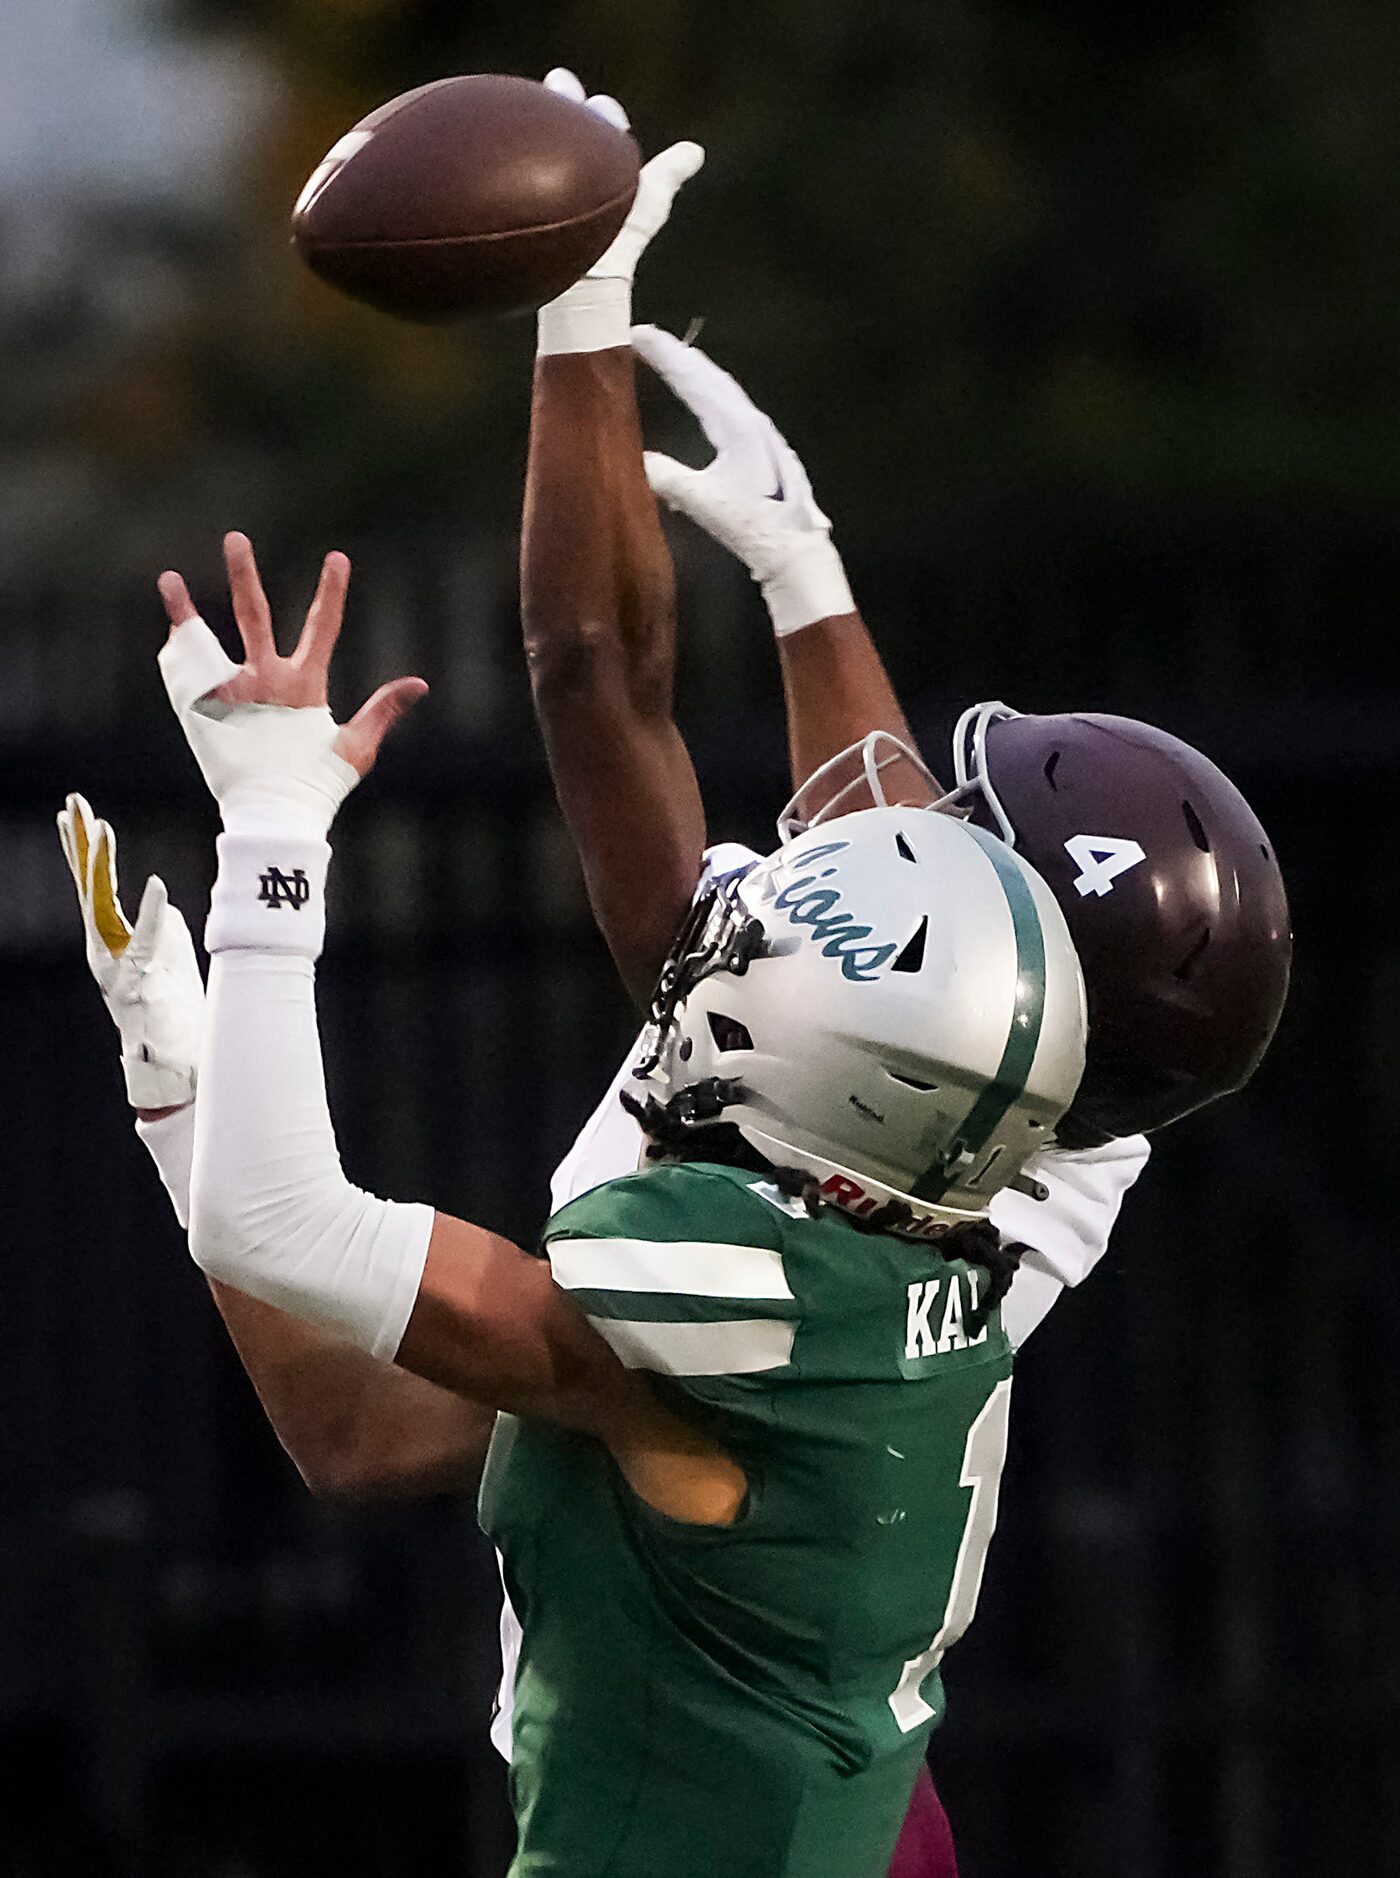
<point>983,1459</point>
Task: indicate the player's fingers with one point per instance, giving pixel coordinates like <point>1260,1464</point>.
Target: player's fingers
<point>661,179</point>
<point>107,915</point>
<point>250,607</point>
<point>705,499</point>
<point>674,363</point>
<point>607,107</point>
<point>326,616</point>
<point>154,901</point>
<point>719,403</point>
<point>669,169</point>
<point>693,375</point>
<point>747,440</point>
<point>671,482</point>
<point>360,740</point>
<point>82,821</point>
<point>566,83</point>
<point>65,837</point>
<point>179,608</point>
<point>193,665</point>
<point>795,485</point>
<point>74,821</point>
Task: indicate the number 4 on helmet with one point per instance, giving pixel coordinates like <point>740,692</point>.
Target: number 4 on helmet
<point>1101,859</point>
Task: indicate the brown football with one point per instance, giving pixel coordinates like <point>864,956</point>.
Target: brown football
<point>478,195</point>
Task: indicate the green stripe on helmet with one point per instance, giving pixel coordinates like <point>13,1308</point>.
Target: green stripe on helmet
<point>1027,1017</point>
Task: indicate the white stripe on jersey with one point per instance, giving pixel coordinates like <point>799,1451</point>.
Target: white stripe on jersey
<point>740,1347</point>
<point>691,1268</point>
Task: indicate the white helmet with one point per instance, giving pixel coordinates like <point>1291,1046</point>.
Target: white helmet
<point>891,1003</point>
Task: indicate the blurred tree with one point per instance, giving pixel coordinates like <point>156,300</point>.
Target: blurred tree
<point>1008,272</point>
<point>1084,242</point>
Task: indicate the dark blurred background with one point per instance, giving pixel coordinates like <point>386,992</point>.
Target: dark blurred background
<point>1085,320</point>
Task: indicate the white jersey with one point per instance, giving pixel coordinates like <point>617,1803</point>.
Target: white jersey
<point>1067,1232</point>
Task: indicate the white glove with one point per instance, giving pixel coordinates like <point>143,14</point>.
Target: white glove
<point>595,314</point>
<point>148,974</point>
<point>265,764</point>
<point>755,497</point>
<point>1066,1233</point>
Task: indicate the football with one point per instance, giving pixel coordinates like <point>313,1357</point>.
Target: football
<point>472,196</point>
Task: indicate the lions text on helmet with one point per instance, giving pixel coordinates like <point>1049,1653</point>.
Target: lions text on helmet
<point>895,1008</point>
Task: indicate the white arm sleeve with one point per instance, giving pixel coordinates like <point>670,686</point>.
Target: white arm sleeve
<point>1068,1232</point>
<point>170,1144</point>
<point>272,1211</point>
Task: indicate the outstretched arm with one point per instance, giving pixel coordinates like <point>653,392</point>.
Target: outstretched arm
<point>836,691</point>
<point>755,499</point>
<point>272,1212</point>
<point>354,1429</point>
<point>598,606</point>
<point>598,603</point>
<point>351,1426</point>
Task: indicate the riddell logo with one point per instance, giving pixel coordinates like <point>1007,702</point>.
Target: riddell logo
<point>841,1190</point>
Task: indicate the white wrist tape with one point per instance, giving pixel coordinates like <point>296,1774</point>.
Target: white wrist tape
<point>270,894</point>
<point>170,1144</point>
<point>272,1211</point>
<point>259,760</point>
<point>594,315</point>
<point>811,585</point>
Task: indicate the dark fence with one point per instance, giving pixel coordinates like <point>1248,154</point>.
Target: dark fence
<point>1185,1656</point>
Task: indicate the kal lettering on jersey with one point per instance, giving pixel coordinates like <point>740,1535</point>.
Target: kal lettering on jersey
<point>936,1318</point>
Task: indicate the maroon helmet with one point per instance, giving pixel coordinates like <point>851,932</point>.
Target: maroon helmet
<point>1172,893</point>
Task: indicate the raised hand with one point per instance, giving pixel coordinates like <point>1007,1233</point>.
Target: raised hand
<point>148,974</point>
<point>568,84</point>
<point>661,181</point>
<point>595,314</point>
<point>264,729</point>
<point>755,497</point>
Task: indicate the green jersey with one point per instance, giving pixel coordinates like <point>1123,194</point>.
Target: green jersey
<point>751,1701</point>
